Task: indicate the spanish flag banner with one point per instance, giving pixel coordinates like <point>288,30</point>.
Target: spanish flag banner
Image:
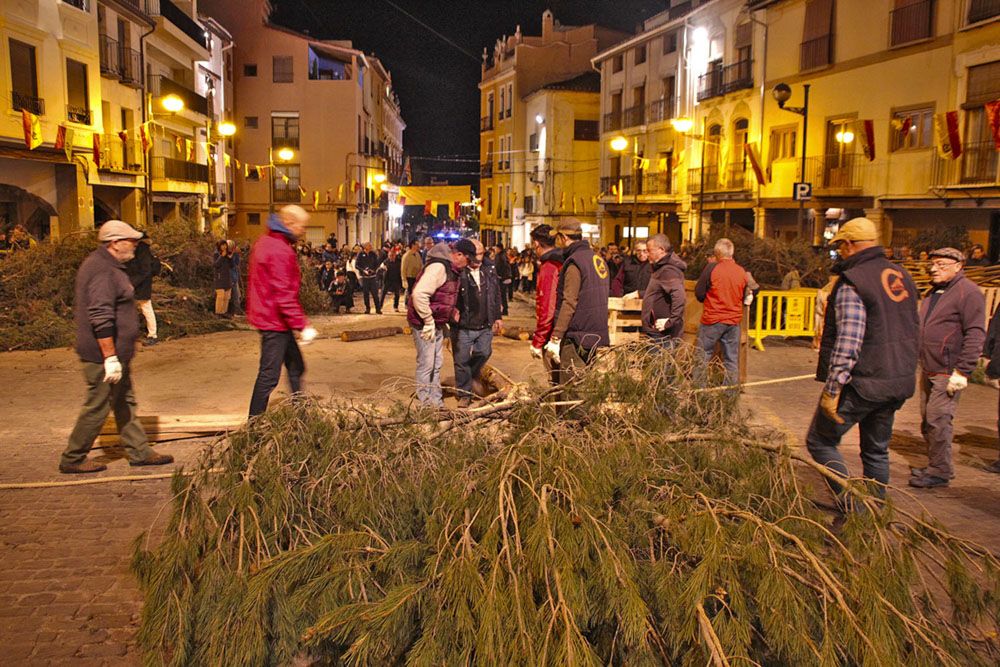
<point>179,143</point>
<point>226,159</point>
<point>355,186</point>
<point>620,191</point>
<point>97,148</point>
<point>574,204</point>
<point>947,136</point>
<point>144,137</point>
<point>302,191</point>
<point>993,121</point>
<point>750,149</point>
<point>123,135</point>
<point>866,129</point>
<point>315,200</point>
<point>562,200</point>
<point>32,130</point>
<point>189,150</point>
<point>340,192</point>
<point>246,171</point>
<point>61,138</point>
<point>427,207</point>
<point>284,179</point>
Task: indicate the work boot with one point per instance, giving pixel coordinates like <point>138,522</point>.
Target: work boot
<point>153,460</point>
<point>82,467</point>
<point>920,472</point>
<point>150,342</point>
<point>928,482</point>
<point>993,467</point>
<point>464,403</point>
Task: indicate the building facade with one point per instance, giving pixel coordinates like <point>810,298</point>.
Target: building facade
<point>317,125</point>
<point>519,66</point>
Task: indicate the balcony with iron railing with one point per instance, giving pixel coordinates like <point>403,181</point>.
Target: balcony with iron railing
<point>79,4</point>
<point>131,67</point>
<point>110,56</point>
<point>177,170</point>
<point>815,53</point>
<point>660,110</point>
<point>486,123</point>
<point>161,86</point>
<point>612,121</point>
<point>176,16</point>
<point>725,79</point>
<point>78,114</point>
<point>982,10</point>
<point>118,155</point>
<point>285,194</point>
<point>843,172</point>
<point>635,116</point>
<point>285,142</point>
<point>657,183</point>
<point>21,101</point>
<point>486,169</point>
<point>978,165</point>
<point>729,178</point>
<point>911,23</point>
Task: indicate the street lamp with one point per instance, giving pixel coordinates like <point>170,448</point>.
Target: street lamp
<point>620,144</point>
<point>683,126</point>
<point>285,154</point>
<point>379,178</point>
<point>227,129</point>
<point>781,94</point>
<point>172,103</point>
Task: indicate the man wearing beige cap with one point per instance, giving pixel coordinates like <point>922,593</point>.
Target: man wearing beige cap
<point>106,328</point>
<point>868,354</point>
<point>952,332</point>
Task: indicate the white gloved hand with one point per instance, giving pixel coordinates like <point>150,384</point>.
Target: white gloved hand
<point>112,369</point>
<point>552,349</point>
<point>536,352</point>
<point>956,383</point>
<point>427,333</point>
<point>661,324</point>
<point>748,299</point>
<point>307,335</point>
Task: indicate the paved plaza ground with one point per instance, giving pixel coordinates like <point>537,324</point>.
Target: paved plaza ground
<point>66,594</point>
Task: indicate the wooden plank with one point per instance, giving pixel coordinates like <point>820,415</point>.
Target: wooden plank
<point>369,334</point>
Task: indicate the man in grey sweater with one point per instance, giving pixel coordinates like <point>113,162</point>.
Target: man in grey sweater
<point>106,328</point>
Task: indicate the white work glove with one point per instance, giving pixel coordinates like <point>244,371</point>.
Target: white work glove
<point>552,349</point>
<point>661,324</point>
<point>307,335</point>
<point>536,352</point>
<point>748,299</point>
<point>956,383</point>
<point>427,333</point>
<point>112,369</point>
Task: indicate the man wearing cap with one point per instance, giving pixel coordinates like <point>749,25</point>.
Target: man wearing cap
<point>581,318</point>
<point>952,332</point>
<point>478,321</point>
<point>430,308</point>
<point>107,326</point>
<point>868,353</point>
<point>547,284</point>
<point>273,307</point>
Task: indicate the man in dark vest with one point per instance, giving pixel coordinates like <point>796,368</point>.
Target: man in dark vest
<point>633,276</point>
<point>868,353</point>
<point>581,319</point>
<point>478,321</point>
<point>431,308</point>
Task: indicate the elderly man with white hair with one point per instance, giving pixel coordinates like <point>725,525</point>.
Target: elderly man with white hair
<point>721,289</point>
<point>273,305</point>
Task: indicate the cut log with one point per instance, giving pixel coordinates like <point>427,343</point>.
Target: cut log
<point>181,424</point>
<point>369,334</point>
<point>516,333</point>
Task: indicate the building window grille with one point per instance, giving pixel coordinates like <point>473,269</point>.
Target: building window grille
<point>816,49</point>
<point>911,129</point>
<point>250,70</point>
<point>282,69</point>
<point>911,21</point>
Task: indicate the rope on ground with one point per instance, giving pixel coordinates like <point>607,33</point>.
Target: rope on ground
<point>758,383</point>
<point>97,480</point>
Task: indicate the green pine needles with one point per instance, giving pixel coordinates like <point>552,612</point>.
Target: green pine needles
<point>661,530</point>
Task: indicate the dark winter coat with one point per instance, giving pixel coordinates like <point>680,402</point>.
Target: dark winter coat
<point>223,266</point>
<point>479,306</point>
<point>104,307</point>
<point>665,297</point>
<point>952,325</point>
<point>633,276</point>
<point>140,272</point>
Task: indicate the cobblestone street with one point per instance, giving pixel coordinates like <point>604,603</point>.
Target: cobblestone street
<point>66,593</point>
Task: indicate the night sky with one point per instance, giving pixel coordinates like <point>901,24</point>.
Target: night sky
<point>436,81</point>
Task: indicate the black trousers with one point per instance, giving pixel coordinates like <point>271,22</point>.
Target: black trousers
<point>395,289</point>
<point>277,348</point>
<point>369,286</point>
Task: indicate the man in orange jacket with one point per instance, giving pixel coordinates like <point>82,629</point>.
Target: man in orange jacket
<point>721,289</point>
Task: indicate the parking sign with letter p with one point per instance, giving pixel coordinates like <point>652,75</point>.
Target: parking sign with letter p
<point>802,191</point>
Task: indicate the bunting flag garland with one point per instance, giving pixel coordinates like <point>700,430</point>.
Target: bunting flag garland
<point>407,174</point>
<point>189,150</point>
<point>644,164</point>
<point>946,135</point>
<point>284,179</point>
<point>513,199</point>
<point>574,204</point>
<point>329,195</point>
<point>259,172</point>
<point>661,164</point>
<point>144,137</point>
<point>179,143</point>
<point>246,171</point>
<point>237,164</point>
<point>750,149</point>
<point>866,130</point>
<point>32,130</point>
<point>123,135</point>
<point>593,200</point>
<point>427,207</point>
<point>562,200</point>
<point>227,160</point>
<point>340,192</point>
<point>902,125</point>
<point>458,210</point>
<point>402,201</point>
<point>619,191</point>
<point>60,138</point>
<point>993,121</point>
<point>315,198</point>
<point>355,186</point>
<point>97,149</point>
<point>302,191</point>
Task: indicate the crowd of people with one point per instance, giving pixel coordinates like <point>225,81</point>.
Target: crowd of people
<point>15,239</point>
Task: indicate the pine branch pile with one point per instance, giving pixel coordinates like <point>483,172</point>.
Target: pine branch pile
<point>766,258</point>
<point>663,530</point>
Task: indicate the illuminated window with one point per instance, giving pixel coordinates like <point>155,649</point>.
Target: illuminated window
<point>911,128</point>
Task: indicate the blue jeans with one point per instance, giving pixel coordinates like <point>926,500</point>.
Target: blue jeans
<point>277,348</point>
<point>875,424</point>
<point>430,356</point>
<point>470,349</point>
<point>729,336</point>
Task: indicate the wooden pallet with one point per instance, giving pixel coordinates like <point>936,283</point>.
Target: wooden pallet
<point>163,427</point>
<point>624,319</point>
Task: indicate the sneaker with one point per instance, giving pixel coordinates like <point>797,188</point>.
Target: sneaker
<point>993,467</point>
<point>82,467</point>
<point>150,342</point>
<point>920,472</point>
<point>928,482</point>
<point>153,460</point>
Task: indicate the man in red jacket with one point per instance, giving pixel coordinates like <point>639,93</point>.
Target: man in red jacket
<point>273,304</point>
<point>721,289</point>
<point>550,261</point>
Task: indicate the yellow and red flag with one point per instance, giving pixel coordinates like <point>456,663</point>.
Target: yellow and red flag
<point>750,149</point>
<point>32,130</point>
<point>315,199</point>
<point>947,136</point>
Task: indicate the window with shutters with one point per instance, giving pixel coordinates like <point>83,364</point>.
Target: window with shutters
<point>287,190</point>
<point>817,35</point>
<point>640,54</point>
<point>783,143</point>
<point>249,70</point>
<point>670,43</point>
<point>24,78</point>
<point>77,97</point>
<point>979,154</point>
<point>911,21</point>
<point>744,43</point>
<point>586,130</point>
<point>617,63</point>
<point>282,69</point>
<point>250,122</point>
<point>253,218</point>
<point>982,10</point>
<point>285,130</point>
